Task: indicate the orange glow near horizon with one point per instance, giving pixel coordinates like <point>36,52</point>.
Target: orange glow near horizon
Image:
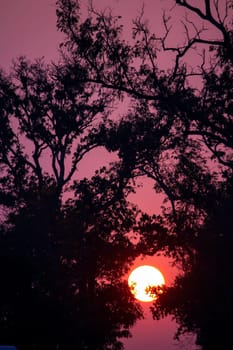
<point>141,279</point>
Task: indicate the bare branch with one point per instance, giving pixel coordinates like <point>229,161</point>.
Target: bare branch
<point>206,16</point>
<point>142,28</point>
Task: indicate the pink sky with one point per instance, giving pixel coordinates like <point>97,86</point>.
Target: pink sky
<point>28,27</point>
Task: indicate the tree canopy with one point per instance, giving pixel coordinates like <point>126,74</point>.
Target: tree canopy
<point>180,135</point>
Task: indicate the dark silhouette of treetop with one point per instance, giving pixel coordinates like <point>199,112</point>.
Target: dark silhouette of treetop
<point>61,260</point>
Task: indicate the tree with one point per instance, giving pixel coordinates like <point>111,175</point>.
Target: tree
<point>52,117</point>
<point>201,298</point>
<point>215,116</point>
<point>61,260</point>
<point>186,116</point>
<point>177,134</point>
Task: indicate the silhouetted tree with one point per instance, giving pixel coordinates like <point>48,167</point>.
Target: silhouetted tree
<point>201,298</point>
<point>61,260</point>
<point>38,102</point>
<point>186,127</point>
<point>177,134</point>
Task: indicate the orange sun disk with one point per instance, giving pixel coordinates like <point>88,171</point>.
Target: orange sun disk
<point>142,279</point>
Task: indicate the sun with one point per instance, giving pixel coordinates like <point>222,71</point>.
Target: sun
<point>142,279</point>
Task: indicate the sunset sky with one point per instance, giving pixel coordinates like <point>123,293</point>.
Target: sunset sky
<point>28,27</point>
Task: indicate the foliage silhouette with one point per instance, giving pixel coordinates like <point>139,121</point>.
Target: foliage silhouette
<point>62,260</point>
<point>133,68</point>
<point>177,134</point>
<point>201,298</point>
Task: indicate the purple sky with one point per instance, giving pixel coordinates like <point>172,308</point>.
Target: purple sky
<point>28,27</point>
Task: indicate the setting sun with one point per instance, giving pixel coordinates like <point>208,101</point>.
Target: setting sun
<point>142,279</point>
